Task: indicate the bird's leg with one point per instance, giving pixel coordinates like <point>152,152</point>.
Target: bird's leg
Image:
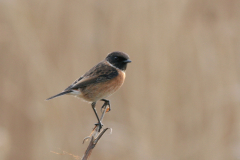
<point>106,103</point>
<point>99,122</point>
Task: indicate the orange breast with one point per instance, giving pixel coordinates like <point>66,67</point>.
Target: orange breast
<point>99,91</point>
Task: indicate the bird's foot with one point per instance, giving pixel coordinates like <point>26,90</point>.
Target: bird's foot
<point>100,125</point>
<point>106,104</point>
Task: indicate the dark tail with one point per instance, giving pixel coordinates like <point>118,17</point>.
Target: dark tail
<point>60,94</point>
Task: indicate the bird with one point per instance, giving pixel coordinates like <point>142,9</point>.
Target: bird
<point>100,82</point>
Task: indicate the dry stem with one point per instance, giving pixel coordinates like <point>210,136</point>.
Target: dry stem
<point>95,136</point>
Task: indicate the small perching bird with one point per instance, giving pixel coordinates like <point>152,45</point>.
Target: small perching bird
<point>100,82</point>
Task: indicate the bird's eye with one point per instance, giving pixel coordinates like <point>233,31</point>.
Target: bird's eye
<point>116,58</point>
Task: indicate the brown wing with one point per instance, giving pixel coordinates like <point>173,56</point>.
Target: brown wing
<point>98,74</point>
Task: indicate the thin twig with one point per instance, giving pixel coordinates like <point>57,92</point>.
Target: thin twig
<point>95,136</point>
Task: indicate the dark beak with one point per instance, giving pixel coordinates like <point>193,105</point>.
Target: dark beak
<point>127,61</point>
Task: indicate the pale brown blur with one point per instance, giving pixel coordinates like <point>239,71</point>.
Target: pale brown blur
<point>181,97</point>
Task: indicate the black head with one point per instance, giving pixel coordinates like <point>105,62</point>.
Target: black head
<point>118,59</point>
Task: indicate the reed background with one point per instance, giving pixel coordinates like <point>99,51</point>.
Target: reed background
<point>181,97</point>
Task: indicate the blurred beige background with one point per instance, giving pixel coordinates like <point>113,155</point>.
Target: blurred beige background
<point>181,97</point>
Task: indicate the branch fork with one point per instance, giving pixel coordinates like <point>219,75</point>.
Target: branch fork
<point>95,135</point>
